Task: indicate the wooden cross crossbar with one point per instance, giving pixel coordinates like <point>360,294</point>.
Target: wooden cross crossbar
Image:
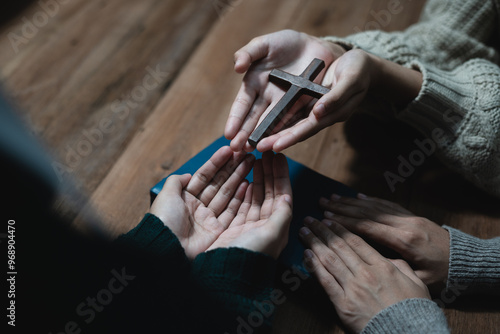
<point>300,85</point>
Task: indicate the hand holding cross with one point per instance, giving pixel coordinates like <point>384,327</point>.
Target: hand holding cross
<point>300,85</point>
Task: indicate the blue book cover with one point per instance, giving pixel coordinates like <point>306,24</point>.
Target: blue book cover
<point>308,187</point>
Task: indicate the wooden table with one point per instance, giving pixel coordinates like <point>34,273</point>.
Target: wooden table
<point>124,92</point>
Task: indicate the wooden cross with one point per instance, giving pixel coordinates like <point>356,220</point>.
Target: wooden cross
<point>300,85</point>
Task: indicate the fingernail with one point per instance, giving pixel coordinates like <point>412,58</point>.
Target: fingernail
<point>323,201</point>
<point>362,196</point>
<point>308,220</point>
<point>328,223</point>
<point>335,197</point>
<point>328,214</point>
<point>308,254</point>
<point>304,231</point>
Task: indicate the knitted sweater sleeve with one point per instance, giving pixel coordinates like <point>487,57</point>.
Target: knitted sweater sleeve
<point>229,289</point>
<point>416,315</point>
<point>474,264</point>
<point>458,107</point>
<point>239,283</point>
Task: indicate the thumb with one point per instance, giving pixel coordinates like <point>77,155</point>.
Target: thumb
<point>256,49</point>
<point>327,102</point>
<point>405,268</point>
<point>175,183</point>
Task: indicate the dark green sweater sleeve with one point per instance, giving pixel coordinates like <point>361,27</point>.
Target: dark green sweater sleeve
<point>223,290</point>
<point>240,283</point>
<point>153,237</point>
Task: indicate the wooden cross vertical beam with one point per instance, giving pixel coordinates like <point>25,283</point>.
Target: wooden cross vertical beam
<point>300,85</point>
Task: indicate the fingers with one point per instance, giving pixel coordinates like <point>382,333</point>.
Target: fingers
<point>204,175</point>
<point>347,89</point>
<point>353,250</point>
<point>387,205</point>
<point>381,221</point>
<point>241,106</point>
<point>361,208</point>
<point>279,223</point>
<point>233,208</point>
<point>244,208</point>
<point>258,191</point>
<point>268,203</point>
<point>300,131</point>
<point>217,180</point>
<point>221,190</point>
<point>247,107</point>
<point>365,227</point>
<point>250,119</point>
<point>271,181</point>
<point>282,185</point>
<point>324,277</point>
<point>329,259</point>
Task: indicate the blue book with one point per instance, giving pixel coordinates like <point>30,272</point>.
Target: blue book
<point>308,187</point>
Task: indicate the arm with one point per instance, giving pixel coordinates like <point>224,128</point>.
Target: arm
<point>474,264</point>
<point>237,271</point>
<point>234,231</point>
<point>457,107</point>
<point>448,34</point>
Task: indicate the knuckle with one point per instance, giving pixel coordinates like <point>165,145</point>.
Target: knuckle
<point>355,242</point>
<point>413,237</point>
<point>366,274</point>
<point>329,260</point>
<point>226,191</point>
<point>203,177</point>
<point>243,102</point>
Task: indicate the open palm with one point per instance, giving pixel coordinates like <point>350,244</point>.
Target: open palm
<point>216,207</point>
<point>288,50</point>
<point>263,219</point>
<point>199,208</point>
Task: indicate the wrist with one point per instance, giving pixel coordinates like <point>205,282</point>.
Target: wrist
<point>397,84</point>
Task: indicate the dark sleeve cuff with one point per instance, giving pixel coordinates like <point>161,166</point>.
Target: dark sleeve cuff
<point>414,315</point>
<point>240,282</point>
<point>153,237</point>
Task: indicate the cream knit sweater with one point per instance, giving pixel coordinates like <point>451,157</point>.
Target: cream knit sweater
<point>455,46</point>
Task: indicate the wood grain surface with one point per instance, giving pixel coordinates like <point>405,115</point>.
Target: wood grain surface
<point>123,92</point>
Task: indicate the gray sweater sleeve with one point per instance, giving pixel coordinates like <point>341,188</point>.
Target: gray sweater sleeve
<point>412,316</point>
<point>458,107</point>
<point>474,264</point>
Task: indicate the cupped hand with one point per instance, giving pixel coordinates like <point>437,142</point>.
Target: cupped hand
<point>263,219</point>
<point>349,77</point>
<point>199,208</point>
<point>421,242</point>
<point>358,280</point>
<point>288,50</point>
